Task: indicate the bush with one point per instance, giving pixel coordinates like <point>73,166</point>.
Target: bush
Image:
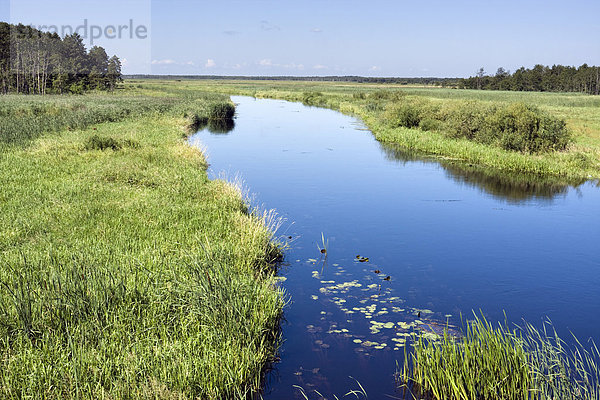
<point>374,106</point>
<point>101,143</point>
<point>404,114</point>
<point>521,127</point>
<point>430,124</point>
<point>221,111</point>
<point>515,126</point>
<point>313,99</point>
<point>466,120</point>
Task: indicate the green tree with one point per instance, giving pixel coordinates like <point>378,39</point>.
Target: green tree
<point>114,72</point>
<point>98,62</point>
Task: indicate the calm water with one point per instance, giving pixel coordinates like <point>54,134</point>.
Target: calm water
<point>450,239</point>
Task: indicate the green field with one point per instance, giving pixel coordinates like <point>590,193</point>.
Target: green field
<point>579,161</point>
<point>125,272</point>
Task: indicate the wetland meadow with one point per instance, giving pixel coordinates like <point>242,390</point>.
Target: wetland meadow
<point>271,239</point>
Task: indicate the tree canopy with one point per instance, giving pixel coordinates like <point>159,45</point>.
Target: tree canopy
<point>36,62</point>
<point>540,78</point>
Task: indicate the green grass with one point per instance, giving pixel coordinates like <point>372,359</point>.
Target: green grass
<point>494,362</point>
<point>125,272</point>
<point>580,161</point>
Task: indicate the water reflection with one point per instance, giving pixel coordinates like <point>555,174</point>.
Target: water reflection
<point>511,187</point>
<point>216,127</point>
<point>221,126</point>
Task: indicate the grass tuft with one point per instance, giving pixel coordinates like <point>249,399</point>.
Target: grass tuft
<point>495,362</point>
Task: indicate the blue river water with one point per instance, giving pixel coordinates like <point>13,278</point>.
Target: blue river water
<point>435,240</point>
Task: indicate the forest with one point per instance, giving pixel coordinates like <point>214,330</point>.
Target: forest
<point>540,78</point>
<point>36,62</point>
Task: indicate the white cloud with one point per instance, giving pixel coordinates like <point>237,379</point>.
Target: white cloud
<point>210,63</point>
<point>316,30</point>
<point>319,66</point>
<point>267,26</point>
<point>163,62</point>
<point>235,66</point>
<point>267,62</point>
<point>189,63</point>
<point>374,68</point>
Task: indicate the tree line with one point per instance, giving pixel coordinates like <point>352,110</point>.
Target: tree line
<point>540,78</point>
<point>36,62</point>
<point>350,78</point>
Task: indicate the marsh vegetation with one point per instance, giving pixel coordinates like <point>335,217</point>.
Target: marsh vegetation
<point>124,271</point>
<point>496,362</point>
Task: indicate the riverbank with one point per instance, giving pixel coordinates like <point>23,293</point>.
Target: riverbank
<point>580,161</point>
<point>125,271</point>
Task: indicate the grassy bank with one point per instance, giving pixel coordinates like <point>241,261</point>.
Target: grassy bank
<point>580,160</point>
<point>125,272</point>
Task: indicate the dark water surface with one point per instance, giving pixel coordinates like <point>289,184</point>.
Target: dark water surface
<point>450,238</point>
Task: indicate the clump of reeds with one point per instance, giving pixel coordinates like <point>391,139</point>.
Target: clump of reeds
<point>222,111</point>
<point>491,362</point>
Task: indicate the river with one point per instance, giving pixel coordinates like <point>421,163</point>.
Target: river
<point>409,241</point>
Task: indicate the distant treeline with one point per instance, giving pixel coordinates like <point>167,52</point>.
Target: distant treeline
<point>36,62</point>
<point>558,78</point>
<point>360,79</point>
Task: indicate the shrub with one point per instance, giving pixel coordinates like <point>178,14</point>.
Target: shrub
<point>515,126</point>
<point>404,114</point>
<point>466,120</point>
<point>521,127</point>
<point>221,111</point>
<point>374,106</point>
<point>313,99</point>
<point>553,134</point>
<point>96,142</point>
<point>429,124</point>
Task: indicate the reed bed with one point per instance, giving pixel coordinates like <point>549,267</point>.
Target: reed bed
<point>495,362</point>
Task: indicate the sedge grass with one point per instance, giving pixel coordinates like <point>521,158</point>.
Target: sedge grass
<point>494,362</point>
<point>126,273</point>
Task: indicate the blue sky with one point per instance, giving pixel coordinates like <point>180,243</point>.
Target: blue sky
<point>375,38</point>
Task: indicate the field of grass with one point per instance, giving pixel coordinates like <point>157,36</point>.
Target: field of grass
<point>580,161</point>
<point>124,272</point>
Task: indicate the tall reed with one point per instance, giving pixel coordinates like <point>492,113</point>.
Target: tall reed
<point>494,362</point>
